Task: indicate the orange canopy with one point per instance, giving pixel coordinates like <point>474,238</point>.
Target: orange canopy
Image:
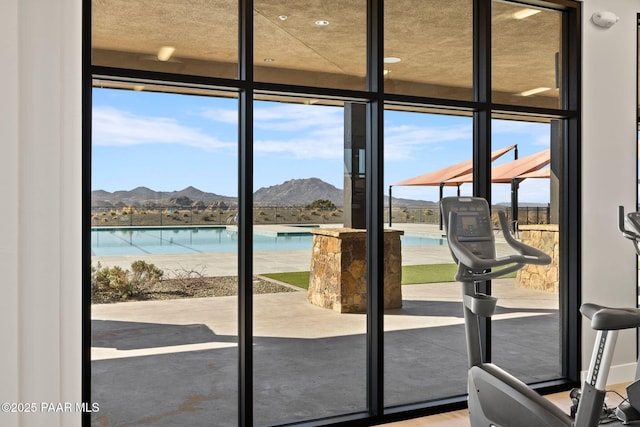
<point>444,175</point>
<point>540,173</point>
<point>526,167</point>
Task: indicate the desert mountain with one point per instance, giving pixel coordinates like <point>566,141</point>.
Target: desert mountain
<point>295,192</point>
<point>298,192</point>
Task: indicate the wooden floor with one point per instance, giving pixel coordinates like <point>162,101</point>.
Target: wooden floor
<point>461,418</point>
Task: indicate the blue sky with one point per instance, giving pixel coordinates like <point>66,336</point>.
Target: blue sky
<point>167,142</point>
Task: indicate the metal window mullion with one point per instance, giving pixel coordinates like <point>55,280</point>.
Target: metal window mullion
<point>570,200</point>
<point>374,210</point>
<point>245,216</point>
<point>482,129</point>
<point>87,108</point>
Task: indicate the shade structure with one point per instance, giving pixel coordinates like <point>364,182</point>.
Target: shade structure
<point>540,173</point>
<point>509,173</point>
<point>523,168</point>
<point>442,176</point>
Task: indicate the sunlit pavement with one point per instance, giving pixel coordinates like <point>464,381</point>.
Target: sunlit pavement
<point>174,362</point>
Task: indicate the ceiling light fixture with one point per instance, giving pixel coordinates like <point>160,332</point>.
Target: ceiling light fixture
<point>165,52</point>
<point>282,17</point>
<point>138,88</point>
<point>322,23</point>
<point>269,59</point>
<point>534,91</point>
<point>391,60</point>
<point>525,13</point>
<point>385,72</point>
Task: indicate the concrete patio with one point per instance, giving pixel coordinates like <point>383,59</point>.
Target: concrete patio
<point>174,362</point>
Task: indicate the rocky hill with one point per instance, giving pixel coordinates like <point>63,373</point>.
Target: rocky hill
<point>145,197</point>
<point>295,192</point>
<point>298,192</point>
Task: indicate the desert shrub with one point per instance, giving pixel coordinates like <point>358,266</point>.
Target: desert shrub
<point>124,283</point>
<point>321,204</point>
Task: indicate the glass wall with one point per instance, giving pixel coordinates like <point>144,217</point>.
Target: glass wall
<point>418,60</point>
<point>526,55</point>
<point>190,37</point>
<point>291,189</point>
<point>311,43</point>
<point>164,260</point>
<point>424,339</point>
<point>526,189</point>
<point>309,330</point>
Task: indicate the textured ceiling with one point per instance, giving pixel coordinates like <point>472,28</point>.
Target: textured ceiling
<point>432,38</point>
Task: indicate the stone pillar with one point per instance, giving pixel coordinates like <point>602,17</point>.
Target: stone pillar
<point>541,277</point>
<point>338,270</point>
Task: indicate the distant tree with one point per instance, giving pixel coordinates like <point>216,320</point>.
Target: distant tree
<point>321,204</point>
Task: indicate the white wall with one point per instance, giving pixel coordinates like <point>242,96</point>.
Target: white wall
<point>609,141</point>
<point>40,219</point>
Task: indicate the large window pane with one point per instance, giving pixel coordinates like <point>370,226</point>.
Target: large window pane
<point>191,37</point>
<point>309,332</point>
<point>311,43</point>
<point>425,352</point>
<point>429,51</point>
<point>526,55</point>
<point>164,259</point>
<point>527,189</point>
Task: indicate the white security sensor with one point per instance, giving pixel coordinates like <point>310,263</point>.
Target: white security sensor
<point>604,19</point>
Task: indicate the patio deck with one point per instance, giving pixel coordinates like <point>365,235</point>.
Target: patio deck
<point>174,362</point>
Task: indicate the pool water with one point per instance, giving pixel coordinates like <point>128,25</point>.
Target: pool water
<point>105,242</point>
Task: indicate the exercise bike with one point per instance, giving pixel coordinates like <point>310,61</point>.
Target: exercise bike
<point>497,398</point>
<point>629,410</point>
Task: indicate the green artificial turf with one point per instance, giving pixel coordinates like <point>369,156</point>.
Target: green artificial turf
<point>411,274</point>
<point>295,278</point>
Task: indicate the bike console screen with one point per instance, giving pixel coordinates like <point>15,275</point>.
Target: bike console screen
<point>473,224</point>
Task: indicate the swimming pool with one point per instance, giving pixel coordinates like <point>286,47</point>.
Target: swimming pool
<point>138,241</point>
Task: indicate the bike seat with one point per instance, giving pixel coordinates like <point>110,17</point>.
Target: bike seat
<point>610,319</point>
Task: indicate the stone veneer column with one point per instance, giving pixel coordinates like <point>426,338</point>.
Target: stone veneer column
<point>338,269</point>
<point>541,277</point>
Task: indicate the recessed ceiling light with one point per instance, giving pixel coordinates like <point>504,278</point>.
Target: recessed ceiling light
<point>269,59</point>
<point>165,53</point>
<point>283,17</point>
<point>391,60</point>
<point>322,23</point>
<point>385,72</point>
<point>525,13</point>
<point>534,91</point>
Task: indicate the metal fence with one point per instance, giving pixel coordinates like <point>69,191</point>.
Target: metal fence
<point>185,217</point>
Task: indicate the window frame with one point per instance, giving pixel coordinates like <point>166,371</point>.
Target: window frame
<point>482,110</point>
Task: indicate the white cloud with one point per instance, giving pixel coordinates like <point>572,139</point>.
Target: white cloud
<point>223,115</point>
<point>303,131</point>
<point>115,127</point>
<point>537,133</point>
<point>401,142</point>
<point>298,117</point>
